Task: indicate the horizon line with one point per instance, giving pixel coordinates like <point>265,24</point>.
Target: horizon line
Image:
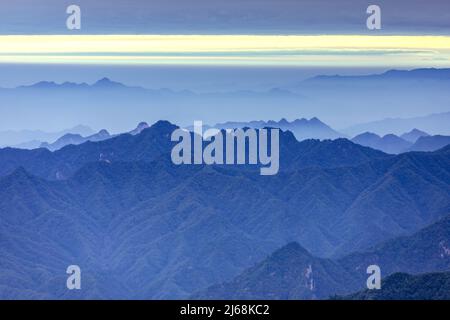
<point>240,50</point>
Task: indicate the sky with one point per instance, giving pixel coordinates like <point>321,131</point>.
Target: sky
<point>209,33</point>
<point>225,17</point>
<point>229,50</point>
<point>210,45</point>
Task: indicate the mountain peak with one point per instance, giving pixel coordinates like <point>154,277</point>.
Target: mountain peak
<point>107,83</point>
<point>315,120</point>
<point>104,80</point>
<point>163,125</point>
<point>414,135</point>
<point>293,247</point>
<point>140,127</point>
<point>369,134</point>
<point>103,132</point>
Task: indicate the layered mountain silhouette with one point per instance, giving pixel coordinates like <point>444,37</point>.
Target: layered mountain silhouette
<point>340,98</point>
<point>433,124</point>
<point>413,135</point>
<point>289,273</point>
<point>394,93</point>
<point>389,143</point>
<point>141,227</point>
<point>414,140</point>
<point>414,75</point>
<point>76,139</point>
<point>104,83</point>
<point>430,143</point>
<point>30,139</point>
<point>301,128</point>
<point>293,273</point>
<point>154,142</point>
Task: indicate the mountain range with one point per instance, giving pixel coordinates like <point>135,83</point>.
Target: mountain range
<point>141,227</point>
<point>433,124</point>
<point>430,143</point>
<point>75,139</point>
<point>413,135</point>
<point>155,141</point>
<point>107,98</point>
<point>293,273</point>
<point>414,140</point>
<point>389,143</point>
<point>30,139</point>
<point>302,128</point>
<point>340,101</point>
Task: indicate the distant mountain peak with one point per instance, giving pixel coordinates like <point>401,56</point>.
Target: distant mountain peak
<point>41,85</point>
<point>434,73</point>
<point>140,127</point>
<point>102,133</point>
<point>107,83</point>
<point>430,143</point>
<point>302,128</point>
<point>292,248</point>
<point>414,135</point>
<point>163,125</point>
<point>315,120</point>
<point>395,74</point>
<point>368,133</point>
<point>389,143</point>
<point>416,131</point>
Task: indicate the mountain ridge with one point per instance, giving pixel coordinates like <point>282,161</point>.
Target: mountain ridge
<point>167,231</point>
<point>280,275</point>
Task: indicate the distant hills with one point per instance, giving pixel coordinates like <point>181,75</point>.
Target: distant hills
<point>390,95</point>
<point>301,128</point>
<point>413,135</point>
<point>340,101</point>
<point>290,273</point>
<point>433,124</point>
<point>414,140</point>
<point>154,142</point>
<point>389,143</point>
<point>30,139</point>
<point>107,101</point>
<point>75,139</point>
<point>293,273</point>
<point>402,286</point>
<point>430,143</point>
<point>104,83</point>
<point>413,75</point>
<point>141,227</point>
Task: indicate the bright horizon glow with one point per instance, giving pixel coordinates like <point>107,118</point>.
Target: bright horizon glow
<point>239,50</point>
